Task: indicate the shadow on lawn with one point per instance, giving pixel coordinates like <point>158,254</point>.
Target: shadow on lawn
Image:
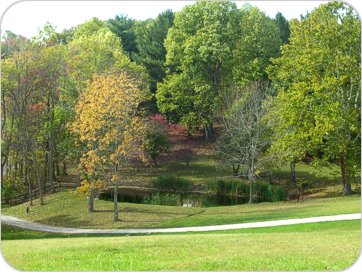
<point>14,233</point>
<point>58,220</point>
<point>135,210</point>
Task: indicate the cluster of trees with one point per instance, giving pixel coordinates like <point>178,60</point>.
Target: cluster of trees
<point>72,97</point>
<point>211,47</point>
<point>309,107</point>
<point>281,90</point>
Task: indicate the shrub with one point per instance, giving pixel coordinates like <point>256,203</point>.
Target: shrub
<point>156,142</point>
<point>232,186</point>
<point>163,199</point>
<point>278,193</point>
<point>263,190</point>
<point>269,193</point>
<point>12,185</point>
<point>171,183</point>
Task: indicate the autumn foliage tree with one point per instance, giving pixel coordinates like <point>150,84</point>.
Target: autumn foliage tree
<point>109,122</point>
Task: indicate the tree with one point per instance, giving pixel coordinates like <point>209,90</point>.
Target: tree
<point>175,99</point>
<point>124,28</point>
<point>156,141</point>
<point>317,109</point>
<point>199,47</point>
<point>258,42</point>
<point>22,104</point>
<point>150,38</point>
<point>34,72</point>
<point>283,26</point>
<point>245,136</point>
<point>108,121</point>
<point>95,50</point>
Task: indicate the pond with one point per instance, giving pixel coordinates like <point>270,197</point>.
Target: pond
<point>191,199</point>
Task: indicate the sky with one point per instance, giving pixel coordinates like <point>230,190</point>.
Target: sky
<point>27,17</point>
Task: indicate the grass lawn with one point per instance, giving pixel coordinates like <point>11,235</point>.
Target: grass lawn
<point>206,169</point>
<point>70,210</point>
<point>318,246</point>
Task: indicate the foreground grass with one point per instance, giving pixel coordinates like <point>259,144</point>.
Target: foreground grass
<point>70,210</point>
<point>319,246</point>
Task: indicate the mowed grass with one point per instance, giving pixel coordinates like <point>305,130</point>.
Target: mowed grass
<point>69,209</point>
<point>318,246</point>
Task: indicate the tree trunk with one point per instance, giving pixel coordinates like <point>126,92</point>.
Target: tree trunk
<point>78,180</point>
<point>37,172</point>
<point>51,166</point>
<point>251,184</point>
<point>208,133</point>
<point>3,162</point>
<point>26,175</point>
<point>91,201</point>
<point>115,201</point>
<point>52,142</point>
<point>57,168</point>
<point>270,177</point>
<point>251,191</point>
<point>347,189</point>
<point>64,168</point>
<point>292,173</point>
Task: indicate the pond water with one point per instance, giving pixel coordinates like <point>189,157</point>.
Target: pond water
<point>132,195</point>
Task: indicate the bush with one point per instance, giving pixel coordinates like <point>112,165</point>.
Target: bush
<point>163,199</point>
<point>171,183</point>
<point>232,186</point>
<point>156,142</point>
<point>269,193</point>
<point>12,185</point>
<point>263,190</point>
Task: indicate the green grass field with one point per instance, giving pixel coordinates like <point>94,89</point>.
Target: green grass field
<point>70,210</point>
<point>318,246</point>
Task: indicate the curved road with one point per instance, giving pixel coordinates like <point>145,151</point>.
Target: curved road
<point>13,221</point>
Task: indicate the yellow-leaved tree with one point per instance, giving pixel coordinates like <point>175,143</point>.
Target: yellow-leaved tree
<point>112,126</point>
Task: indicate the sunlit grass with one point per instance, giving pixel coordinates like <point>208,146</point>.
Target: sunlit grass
<point>70,209</point>
<point>319,246</point>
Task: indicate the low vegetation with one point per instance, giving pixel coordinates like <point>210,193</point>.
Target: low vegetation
<point>68,209</point>
<point>318,246</point>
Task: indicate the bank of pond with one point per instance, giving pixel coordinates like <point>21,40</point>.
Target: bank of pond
<point>177,192</point>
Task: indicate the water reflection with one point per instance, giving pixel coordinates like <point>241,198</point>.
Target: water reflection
<point>131,195</point>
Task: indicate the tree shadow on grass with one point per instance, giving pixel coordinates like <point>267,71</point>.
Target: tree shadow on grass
<point>135,210</point>
<point>14,233</point>
<point>61,220</point>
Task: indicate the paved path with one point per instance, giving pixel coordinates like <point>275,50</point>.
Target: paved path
<point>13,221</point>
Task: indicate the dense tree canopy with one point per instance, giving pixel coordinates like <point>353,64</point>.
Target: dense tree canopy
<point>276,89</point>
<point>150,37</point>
<point>123,27</point>
<point>258,42</point>
<point>199,47</point>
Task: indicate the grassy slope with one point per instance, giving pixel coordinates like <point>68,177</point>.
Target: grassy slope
<point>205,169</point>
<point>319,246</point>
<point>70,210</point>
